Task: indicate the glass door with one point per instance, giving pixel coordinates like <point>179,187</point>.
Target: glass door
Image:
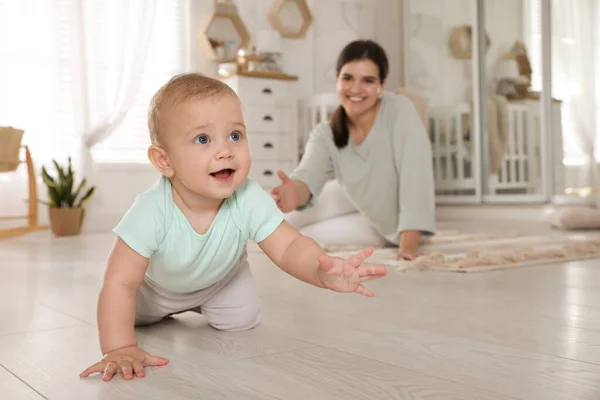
<point>514,98</point>
<point>548,75</point>
<point>440,67</point>
<point>514,150</point>
<point>574,40</point>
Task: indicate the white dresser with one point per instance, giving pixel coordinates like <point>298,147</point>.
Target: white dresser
<point>269,107</point>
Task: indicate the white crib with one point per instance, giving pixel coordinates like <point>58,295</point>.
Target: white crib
<point>312,111</point>
<point>453,154</point>
<point>451,134</point>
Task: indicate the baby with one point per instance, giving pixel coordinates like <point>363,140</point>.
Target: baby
<point>182,244</point>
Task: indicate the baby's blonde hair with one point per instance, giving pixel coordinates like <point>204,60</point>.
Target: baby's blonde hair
<point>179,89</point>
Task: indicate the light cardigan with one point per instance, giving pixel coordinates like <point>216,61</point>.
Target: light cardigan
<point>388,177</point>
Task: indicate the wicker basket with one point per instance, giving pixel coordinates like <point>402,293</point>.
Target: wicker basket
<point>10,147</point>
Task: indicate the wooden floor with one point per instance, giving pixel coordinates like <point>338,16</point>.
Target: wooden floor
<point>531,333</point>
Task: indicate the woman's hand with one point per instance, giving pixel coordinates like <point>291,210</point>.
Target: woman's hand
<point>285,195</point>
<point>128,361</point>
<point>407,254</point>
<point>409,245</point>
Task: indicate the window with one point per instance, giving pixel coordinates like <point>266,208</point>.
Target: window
<point>167,56</point>
<point>572,69</point>
<point>533,40</point>
<point>36,75</point>
<point>39,81</point>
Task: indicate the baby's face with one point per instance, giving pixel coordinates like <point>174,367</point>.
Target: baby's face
<point>207,145</point>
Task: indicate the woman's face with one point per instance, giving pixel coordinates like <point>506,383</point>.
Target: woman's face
<point>358,86</point>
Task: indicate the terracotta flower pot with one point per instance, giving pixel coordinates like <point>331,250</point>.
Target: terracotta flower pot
<point>66,221</point>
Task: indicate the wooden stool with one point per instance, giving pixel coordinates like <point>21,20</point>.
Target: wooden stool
<point>10,149</point>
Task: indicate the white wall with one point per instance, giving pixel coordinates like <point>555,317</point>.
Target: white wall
<point>433,71</point>
<point>336,22</point>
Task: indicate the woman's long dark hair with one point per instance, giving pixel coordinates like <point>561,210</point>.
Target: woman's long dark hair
<point>357,50</point>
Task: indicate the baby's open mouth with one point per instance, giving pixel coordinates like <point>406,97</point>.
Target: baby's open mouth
<point>223,175</point>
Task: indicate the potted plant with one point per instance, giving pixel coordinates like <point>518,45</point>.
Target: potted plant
<point>65,201</point>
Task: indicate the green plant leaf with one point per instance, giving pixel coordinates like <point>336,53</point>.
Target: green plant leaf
<point>60,187</point>
<point>59,190</point>
<point>48,180</point>
<point>79,188</point>
<point>54,197</point>
<point>70,177</point>
<point>86,196</point>
<point>61,172</point>
<point>45,202</point>
<point>67,191</point>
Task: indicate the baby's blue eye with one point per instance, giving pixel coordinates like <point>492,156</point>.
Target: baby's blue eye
<point>202,139</point>
<point>235,136</point>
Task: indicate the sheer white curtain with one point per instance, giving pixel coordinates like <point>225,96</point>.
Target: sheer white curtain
<point>168,54</point>
<point>597,64</point>
<point>574,72</point>
<point>113,38</point>
<point>36,87</point>
<point>75,72</point>
<point>574,75</point>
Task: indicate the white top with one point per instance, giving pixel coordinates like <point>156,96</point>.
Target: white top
<point>388,177</point>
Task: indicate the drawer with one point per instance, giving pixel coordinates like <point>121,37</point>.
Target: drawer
<point>270,147</point>
<point>264,91</point>
<point>265,119</point>
<point>265,172</point>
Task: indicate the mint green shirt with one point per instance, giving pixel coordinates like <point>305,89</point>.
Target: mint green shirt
<point>182,260</point>
<point>388,177</point>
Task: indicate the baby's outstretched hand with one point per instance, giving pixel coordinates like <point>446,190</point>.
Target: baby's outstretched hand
<point>342,275</point>
<point>128,361</point>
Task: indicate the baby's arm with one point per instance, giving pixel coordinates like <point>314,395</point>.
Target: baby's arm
<point>301,257</point>
<point>294,253</point>
<point>116,316</point>
<point>117,300</point>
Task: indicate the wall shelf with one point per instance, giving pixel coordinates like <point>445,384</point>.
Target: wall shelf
<point>212,32</point>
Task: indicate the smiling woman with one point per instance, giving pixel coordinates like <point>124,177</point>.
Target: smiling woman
<point>376,147</point>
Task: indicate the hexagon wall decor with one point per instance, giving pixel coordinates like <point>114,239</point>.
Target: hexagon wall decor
<point>285,31</point>
<point>224,11</point>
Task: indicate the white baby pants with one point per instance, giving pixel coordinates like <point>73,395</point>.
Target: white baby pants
<point>232,304</point>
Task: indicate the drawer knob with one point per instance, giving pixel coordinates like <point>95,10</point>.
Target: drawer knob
<point>267,118</point>
<point>268,145</point>
<point>267,91</point>
<point>267,172</point>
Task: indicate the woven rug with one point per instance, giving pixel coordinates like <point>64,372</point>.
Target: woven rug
<point>487,254</point>
<point>442,237</point>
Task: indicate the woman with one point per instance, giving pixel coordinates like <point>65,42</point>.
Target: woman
<point>378,150</point>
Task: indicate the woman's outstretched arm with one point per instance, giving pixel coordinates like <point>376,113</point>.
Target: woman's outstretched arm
<point>311,174</point>
<point>416,187</point>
